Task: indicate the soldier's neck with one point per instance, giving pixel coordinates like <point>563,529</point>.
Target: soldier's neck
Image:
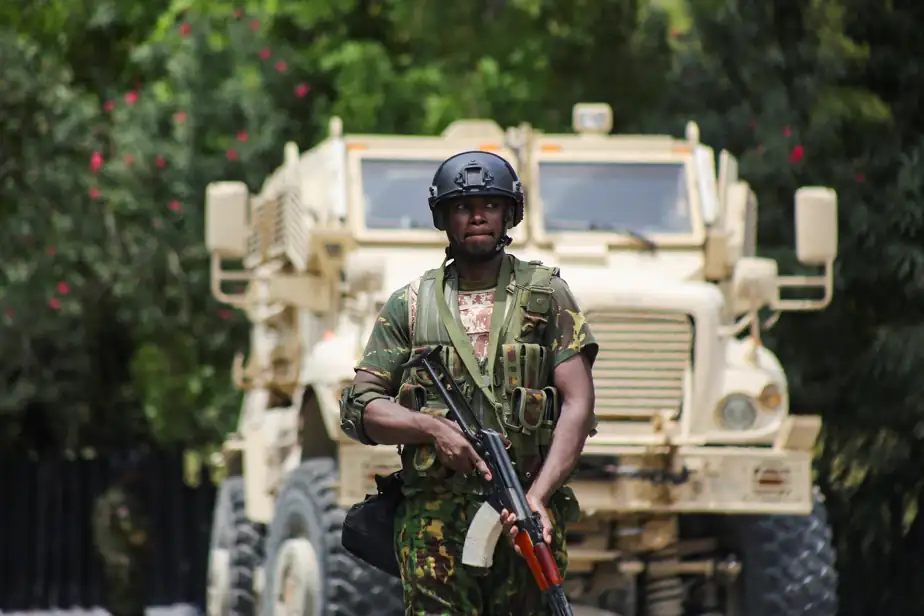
<point>479,274</point>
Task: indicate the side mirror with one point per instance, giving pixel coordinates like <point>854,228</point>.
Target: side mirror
<point>226,219</point>
<point>816,225</point>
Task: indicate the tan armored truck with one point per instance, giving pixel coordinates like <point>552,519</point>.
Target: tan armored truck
<point>330,235</point>
<point>696,492</point>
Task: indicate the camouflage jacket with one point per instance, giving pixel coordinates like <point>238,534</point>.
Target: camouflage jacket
<point>550,330</point>
<point>119,527</point>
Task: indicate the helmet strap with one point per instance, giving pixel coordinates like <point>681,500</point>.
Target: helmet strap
<point>505,241</point>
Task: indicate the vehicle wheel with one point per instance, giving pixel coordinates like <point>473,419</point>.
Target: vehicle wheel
<point>308,573</point>
<point>235,552</point>
<point>788,564</point>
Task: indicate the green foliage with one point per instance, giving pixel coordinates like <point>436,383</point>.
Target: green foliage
<point>114,194</point>
<point>47,134</point>
<point>132,346</point>
<point>114,116</point>
<point>797,91</point>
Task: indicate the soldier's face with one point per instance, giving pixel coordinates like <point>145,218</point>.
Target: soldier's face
<point>475,226</point>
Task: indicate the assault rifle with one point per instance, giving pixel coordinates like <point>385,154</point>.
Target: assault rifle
<point>508,491</point>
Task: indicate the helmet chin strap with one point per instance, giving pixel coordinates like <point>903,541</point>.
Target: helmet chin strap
<point>505,241</point>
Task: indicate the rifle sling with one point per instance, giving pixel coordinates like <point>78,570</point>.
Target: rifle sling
<point>462,343</point>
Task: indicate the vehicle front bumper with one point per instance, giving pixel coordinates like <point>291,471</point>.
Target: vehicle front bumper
<point>718,480</point>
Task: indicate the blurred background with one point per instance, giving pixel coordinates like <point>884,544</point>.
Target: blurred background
<point>115,114</point>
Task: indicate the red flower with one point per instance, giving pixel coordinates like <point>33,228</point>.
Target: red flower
<point>174,205</point>
<point>96,161</point>
<point>302,89</point>
<point>63,288</point>
<point>109,106</point>
<point>255,25</point>
<point>232,154</point>
<point>159,161</point>
<point>50,252</point>
<point>861,178</point>
<point>797,154</point>
<point>237,13</point>
<point>94,193</point>
<point>787,131</point>
<point>265,53</point>
<point>129,160</point>
<point>131,97</point>
<point>242,136</point>
<point>224,315</point>
<point>281,66</point>
<point>184,30</point>
<point>180,116</point>
<point>54,303</point>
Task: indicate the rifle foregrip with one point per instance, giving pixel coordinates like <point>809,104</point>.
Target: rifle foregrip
<point>548,564</point>
<point>529,554</point>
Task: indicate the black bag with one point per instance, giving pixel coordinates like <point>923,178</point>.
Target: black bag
<point>369,526</point>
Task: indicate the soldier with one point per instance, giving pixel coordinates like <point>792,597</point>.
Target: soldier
<point>121,536</point>
<point>494,315</point>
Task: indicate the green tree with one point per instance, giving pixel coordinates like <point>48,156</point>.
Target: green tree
<point>48,129</point>
<point>795,91</point>
<point>94,38</point>
<point>110,307</point>
<point>105,277</point>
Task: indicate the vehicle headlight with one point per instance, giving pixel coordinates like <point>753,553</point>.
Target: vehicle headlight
<point>737,412</point>
<point>771,397</point>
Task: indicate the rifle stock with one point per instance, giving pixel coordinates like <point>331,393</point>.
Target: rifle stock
<point>492,448</point>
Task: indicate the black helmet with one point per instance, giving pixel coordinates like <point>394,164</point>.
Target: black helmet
<point>475,173</point>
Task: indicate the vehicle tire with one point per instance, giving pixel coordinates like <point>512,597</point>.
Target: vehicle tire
<point>788,564</point>
<point>307,570</point>
<point>235,552</point>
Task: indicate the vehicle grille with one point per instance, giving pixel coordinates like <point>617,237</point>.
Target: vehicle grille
<point>642,363</point>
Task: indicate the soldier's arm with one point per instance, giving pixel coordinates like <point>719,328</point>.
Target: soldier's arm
<point>574,349</point>
<point>368,412</point>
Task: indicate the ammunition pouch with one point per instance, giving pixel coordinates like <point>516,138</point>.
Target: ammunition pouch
<point>527,410</point>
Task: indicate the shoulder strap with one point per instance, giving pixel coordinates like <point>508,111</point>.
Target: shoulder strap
<point>463,345</point>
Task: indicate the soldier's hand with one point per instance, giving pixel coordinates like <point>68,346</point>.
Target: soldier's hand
<point>508,519</point>
<point>456,452</point>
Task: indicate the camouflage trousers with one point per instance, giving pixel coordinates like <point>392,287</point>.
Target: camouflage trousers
<point>126,590</point>
<point>429,534</point>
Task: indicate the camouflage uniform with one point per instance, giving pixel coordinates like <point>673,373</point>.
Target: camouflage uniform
<point>433,519</point>
<point>121,536</point>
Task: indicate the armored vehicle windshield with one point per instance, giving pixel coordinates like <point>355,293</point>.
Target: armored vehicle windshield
<point>646,197</point>
<point>395,192</point>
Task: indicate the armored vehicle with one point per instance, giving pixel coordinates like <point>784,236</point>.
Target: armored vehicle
<point>696,491</point>
<point>329,236</point>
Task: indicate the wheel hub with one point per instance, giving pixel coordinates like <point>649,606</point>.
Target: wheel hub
<point>219,579</point>
<point>297,580</point>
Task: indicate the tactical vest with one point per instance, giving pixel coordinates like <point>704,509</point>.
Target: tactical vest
<point>528,406</point>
